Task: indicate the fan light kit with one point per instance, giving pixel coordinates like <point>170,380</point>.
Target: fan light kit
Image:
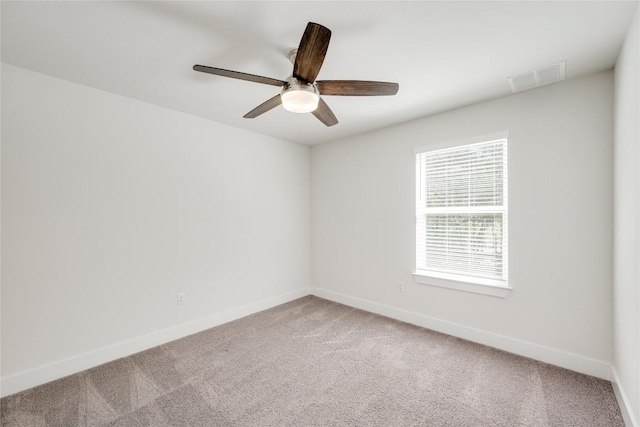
<point>299,97</point>
<point>301,92</point>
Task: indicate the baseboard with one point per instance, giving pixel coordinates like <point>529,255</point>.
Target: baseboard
<point>46,373</point>
<point>623,400</point>
<point>545,354</point>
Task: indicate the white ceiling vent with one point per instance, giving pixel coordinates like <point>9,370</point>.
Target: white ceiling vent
<point>536,78</point>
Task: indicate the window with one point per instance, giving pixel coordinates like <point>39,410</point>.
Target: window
<point>461,215</point>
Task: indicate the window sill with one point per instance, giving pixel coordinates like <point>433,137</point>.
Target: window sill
<point>479,286</point>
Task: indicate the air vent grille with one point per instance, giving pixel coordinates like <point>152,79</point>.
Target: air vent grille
<point>536,78</point>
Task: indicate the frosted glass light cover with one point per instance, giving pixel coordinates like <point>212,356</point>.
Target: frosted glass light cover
<point>300,101</point>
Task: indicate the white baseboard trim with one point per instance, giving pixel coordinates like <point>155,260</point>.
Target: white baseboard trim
<point>52,371</point>
<point>623,400</point>
<point>545,354</point>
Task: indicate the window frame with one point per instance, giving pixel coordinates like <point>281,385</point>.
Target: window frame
<point>491,287</point>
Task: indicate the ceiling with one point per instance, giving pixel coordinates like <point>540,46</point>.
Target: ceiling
<point>443,54</point>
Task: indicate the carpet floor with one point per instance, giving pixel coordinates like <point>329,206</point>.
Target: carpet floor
<point>312,362</point>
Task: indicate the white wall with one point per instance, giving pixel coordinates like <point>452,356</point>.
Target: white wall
<point>560,222</point>
<point>111,206</point>
<point>627,222</point>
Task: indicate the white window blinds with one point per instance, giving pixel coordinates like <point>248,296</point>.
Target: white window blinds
<point>461,213</point>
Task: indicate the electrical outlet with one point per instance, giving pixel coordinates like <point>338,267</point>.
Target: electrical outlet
<point>180,298</point>
<point>400,287</point>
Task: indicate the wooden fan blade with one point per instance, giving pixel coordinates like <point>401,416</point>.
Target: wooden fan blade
<point>356,88</point>
<point>239,75</point>
<point>311,52</point>
<point>264,107</point>
<point>324,114</point>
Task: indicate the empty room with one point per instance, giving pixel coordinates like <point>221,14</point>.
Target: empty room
<point>320,213</point>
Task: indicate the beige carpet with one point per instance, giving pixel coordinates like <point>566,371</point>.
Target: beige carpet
<point>312,362</point>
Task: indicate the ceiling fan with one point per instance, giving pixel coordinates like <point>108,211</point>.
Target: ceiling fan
<point>301,92</point>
